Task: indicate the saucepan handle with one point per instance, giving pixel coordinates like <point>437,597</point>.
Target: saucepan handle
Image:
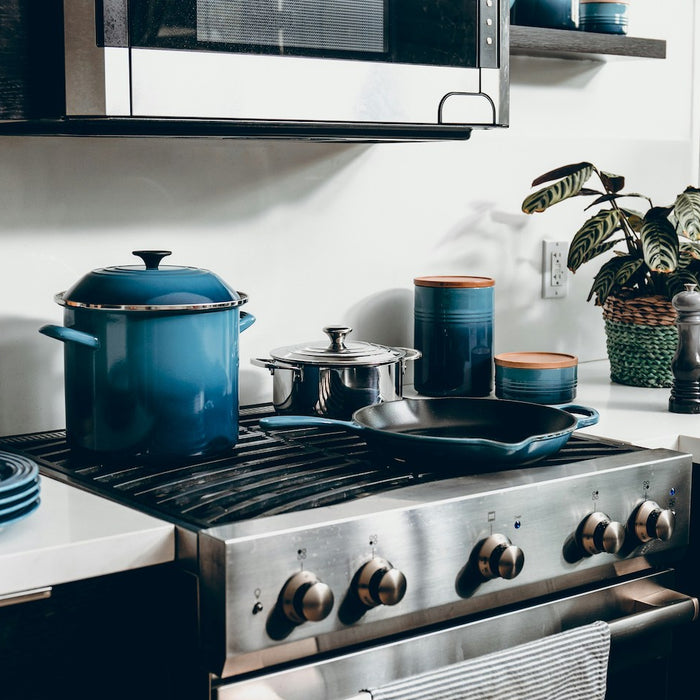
<point>276,422</point>
<point>590,415</point>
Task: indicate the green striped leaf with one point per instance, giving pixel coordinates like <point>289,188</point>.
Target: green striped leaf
<point>687,212</point>
<point>688,252</point>
<point>634,219</point>
<point>604,281</point>
<point>567,187</point>
<point>558,173</point>
<point>613,183</point>
<point>604,247</point>
<point>659,242</point>
<point>590,236</point>
<point>627,269</point>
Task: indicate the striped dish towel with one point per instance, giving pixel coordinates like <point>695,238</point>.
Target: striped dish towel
<point>571,665</point>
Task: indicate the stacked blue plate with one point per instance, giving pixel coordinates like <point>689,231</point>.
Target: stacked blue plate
<point>603,17</point>
<point>19,487</point>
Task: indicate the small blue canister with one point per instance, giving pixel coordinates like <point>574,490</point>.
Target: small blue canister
<point>453,326</point>
<point>537,377</point>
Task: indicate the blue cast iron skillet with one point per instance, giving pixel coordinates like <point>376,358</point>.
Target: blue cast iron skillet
<point>462,432</point>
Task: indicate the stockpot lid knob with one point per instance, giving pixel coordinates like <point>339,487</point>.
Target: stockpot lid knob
<point>151,287</point>
<point>152,258</point>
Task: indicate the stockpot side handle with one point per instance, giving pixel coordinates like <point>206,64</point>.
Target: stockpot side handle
<point>70,335</point>
<point>247,320</point>
<point>277,422</point>
<point>591,416</point>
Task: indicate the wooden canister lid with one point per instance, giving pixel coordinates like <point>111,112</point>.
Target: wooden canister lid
<point>535,360</point>
<point>456,281</point>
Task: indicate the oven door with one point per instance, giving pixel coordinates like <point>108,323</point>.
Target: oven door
<point>642,615</point>
<point>401,62</point>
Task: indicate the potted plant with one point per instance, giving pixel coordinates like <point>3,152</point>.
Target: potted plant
<point>652,255</point>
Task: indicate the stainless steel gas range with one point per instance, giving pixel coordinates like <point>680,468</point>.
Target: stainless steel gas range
<point>325,569</point>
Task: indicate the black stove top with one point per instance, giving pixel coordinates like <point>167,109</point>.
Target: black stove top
<point>264,474</point>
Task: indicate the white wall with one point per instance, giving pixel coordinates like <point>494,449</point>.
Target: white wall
<point>328,233</point>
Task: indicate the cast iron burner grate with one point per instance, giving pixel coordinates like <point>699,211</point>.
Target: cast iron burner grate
<point>265,474</point>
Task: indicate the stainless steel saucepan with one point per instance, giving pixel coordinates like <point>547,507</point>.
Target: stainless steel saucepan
<point>333,379</point>
<point>459,432</point>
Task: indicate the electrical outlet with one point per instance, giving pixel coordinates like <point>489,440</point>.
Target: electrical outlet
<point>555,275</point>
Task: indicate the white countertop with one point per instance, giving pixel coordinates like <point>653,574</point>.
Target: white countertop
<point>75,535</point>
<point>635,414</point>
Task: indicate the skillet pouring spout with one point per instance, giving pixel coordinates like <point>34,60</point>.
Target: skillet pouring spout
<point>458,433</point>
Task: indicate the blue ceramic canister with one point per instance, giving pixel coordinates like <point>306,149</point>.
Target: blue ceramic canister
<point>556,14</point>
<point>453,329</point>
<point>537,377</point>
<point>604,17</point>
<point>151,360</point>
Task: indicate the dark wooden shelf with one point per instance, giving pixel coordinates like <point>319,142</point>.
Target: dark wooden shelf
<point>564,43</point>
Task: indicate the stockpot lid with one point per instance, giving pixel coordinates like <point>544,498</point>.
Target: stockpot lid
<point>339,351</point>
<point>151,287</point>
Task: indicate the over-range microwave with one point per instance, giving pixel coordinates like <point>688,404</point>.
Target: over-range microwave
<point>347,69</point>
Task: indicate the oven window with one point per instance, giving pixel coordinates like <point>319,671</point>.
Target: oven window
<point>441,32</point>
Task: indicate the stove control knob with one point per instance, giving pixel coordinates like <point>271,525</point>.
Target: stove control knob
<point>498,557</point>
<point>305,597</point>
<point>651,522</point>
<point>379,583</point>
<point>598,533</point>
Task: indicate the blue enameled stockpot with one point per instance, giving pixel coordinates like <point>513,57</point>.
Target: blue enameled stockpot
<point>151,360</point>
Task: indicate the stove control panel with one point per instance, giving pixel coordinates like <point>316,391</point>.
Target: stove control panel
<point>418,556</point>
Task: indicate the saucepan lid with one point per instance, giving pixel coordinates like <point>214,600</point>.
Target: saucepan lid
<point>340,351</point>
<point>151,287</point>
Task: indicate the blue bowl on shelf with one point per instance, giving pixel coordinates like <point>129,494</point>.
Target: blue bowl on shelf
<point>536,377</point>
<point>603,17</point>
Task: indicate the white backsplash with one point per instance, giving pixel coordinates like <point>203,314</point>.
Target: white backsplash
<point>322,233</point>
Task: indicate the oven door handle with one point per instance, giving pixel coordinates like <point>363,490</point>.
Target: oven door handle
<point>663,610</point>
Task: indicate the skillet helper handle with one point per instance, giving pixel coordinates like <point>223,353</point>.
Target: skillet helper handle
<point>277,422</point>
<point>591,416</point>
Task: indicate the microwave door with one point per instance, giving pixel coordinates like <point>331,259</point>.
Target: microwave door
<point>184,84</point>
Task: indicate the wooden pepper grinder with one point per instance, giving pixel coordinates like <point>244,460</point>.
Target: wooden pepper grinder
<point>685,390</point>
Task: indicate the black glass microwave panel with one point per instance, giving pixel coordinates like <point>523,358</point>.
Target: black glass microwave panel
<point>420,32</point>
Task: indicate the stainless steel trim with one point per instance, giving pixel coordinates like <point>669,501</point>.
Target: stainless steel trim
<point>25,596</point>
<point>58,298</point>
<point>97,78</point>
<point>341,677</point>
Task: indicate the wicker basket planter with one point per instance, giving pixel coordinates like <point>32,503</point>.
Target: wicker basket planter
<point>642,338</point>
